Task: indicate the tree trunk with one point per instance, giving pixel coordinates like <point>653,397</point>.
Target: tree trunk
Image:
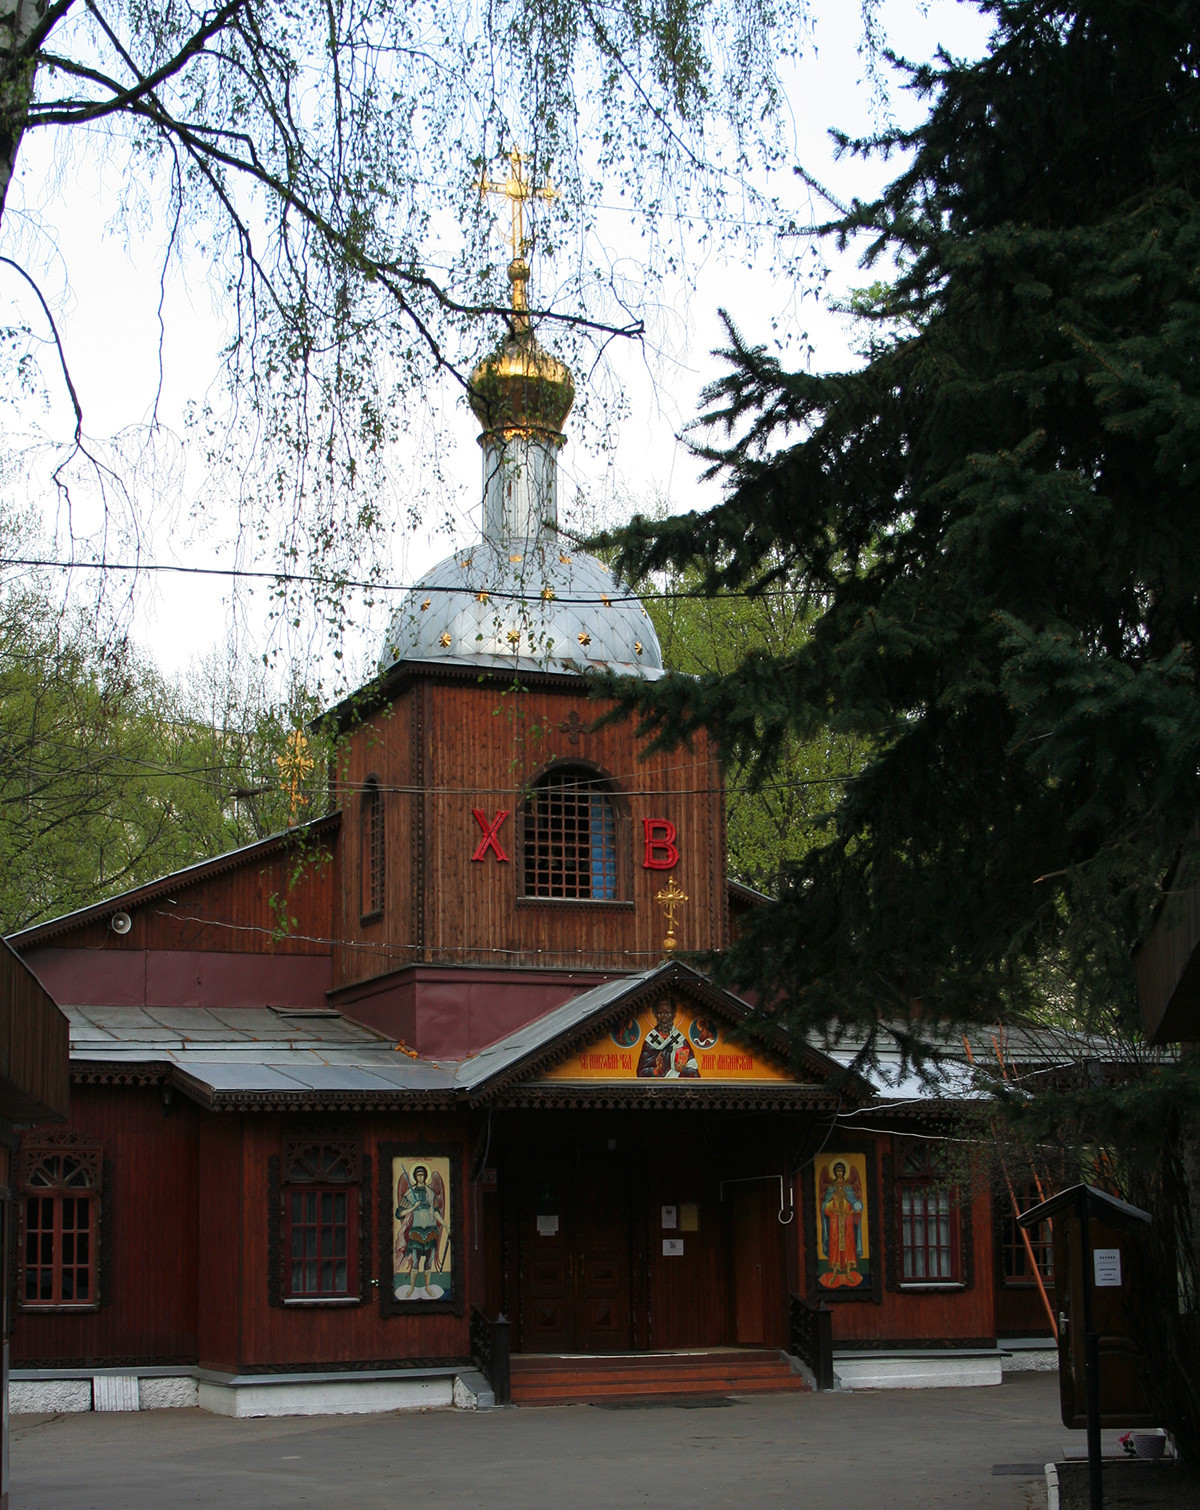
<point>20,21</point>
<point>1189,1157</point>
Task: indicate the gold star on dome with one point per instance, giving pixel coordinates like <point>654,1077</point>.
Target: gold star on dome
<point>584,638</point>
<point>513,636</point>
<point>637,645</point>
<point>566,560</point>
<point>465,563</point>
<point>444,641</point>
<point>482,597</point>
<point>426,604</point>
<point>547,594</point>
<point>516,558</point>
<point>606,600</point>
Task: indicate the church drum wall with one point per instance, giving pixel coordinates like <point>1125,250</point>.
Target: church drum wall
<point>149,1242</point>
<point>473,746</point>
<point>382,746</point>
<point>466,746</point>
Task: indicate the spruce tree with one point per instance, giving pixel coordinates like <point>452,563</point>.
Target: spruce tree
<point>998,513</point>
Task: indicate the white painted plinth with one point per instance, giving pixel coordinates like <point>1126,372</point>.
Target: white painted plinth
<point>48,1396</point>
<point>115,1392</point>
<point>917,1370</point>
<point>339,1397</point>
<point>167,1393</point>
<point>1042,1360</point>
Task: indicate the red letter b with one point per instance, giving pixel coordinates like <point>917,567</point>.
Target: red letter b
<point>661,850</point>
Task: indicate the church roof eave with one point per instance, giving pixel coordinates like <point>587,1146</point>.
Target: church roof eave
<point>189,875</point>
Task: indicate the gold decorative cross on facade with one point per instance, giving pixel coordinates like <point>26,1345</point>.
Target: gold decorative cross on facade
<point>294,766</point>
<point>670,898</point>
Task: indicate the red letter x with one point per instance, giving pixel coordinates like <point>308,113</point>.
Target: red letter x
<point>490,830</point>
<point>662,852</point>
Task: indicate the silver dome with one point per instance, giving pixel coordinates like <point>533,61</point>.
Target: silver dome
<point>523,605</point>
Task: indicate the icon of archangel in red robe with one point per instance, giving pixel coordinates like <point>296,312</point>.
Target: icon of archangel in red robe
<point>840,1198</point>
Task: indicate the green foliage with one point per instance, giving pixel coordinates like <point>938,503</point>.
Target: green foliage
<point>108,775</point>
<point>996,514</point>
<point>319,162</point>
<point>773,817</point>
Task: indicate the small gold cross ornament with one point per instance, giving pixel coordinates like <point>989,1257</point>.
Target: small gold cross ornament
<point>670,898</point>
<point>294,765</point>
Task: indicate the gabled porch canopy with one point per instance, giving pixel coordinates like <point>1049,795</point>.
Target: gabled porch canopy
<point>666,1037</point>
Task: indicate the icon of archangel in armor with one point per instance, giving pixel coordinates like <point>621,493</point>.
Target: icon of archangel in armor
<point>421,1229</point>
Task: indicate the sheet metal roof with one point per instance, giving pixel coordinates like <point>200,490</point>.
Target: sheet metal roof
<point>231,1052</point>
<point>527,1040</point>
<point>226,1055</point>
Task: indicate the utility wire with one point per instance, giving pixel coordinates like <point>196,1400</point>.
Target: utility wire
<point>312,579</point>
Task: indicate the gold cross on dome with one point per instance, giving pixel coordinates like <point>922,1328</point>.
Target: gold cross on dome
<point>670,898</point>
<point>294,765</point>
<point>517,189</point>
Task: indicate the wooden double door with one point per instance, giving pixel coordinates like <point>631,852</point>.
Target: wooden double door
<point>577,1257</point>
<point>640,1232</point>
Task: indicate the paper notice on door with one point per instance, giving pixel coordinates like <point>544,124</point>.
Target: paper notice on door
<point>547,1226</point>
<point>670,1217</point>
<point>689,1217</point>
<point>672,1247</point>
<point>1108,1268</point>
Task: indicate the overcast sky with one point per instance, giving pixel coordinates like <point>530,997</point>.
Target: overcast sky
<point>106,305</point>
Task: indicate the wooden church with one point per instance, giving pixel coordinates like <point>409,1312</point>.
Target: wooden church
<point>413,1104</point>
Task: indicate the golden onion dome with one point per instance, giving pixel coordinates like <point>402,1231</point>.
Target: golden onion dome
<point>519,387</point>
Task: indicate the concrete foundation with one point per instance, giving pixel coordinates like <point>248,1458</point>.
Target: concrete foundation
<point>264,1396</point>
<point>918,1370</point>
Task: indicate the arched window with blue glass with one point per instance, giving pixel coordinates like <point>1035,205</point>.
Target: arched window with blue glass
<point>573,837</point>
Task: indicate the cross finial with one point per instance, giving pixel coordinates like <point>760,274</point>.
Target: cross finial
<point>294,767</point>
<point>517,189</point>
<point>670,898</point>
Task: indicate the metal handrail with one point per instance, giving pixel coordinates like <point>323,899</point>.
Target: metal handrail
<point>491,1352</point>
<point>810,1334</point>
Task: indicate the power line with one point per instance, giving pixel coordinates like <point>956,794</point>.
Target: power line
<point>365,585</point>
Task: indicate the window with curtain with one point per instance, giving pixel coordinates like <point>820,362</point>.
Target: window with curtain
<point>930,1243</point>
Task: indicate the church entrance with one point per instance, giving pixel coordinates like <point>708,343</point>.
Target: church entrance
<point>627,1232</point>
<point>577,1257</point>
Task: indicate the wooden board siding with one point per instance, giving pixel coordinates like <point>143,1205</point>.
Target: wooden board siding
<point>34,1083</point>
<point>307,1335</point>
<point>448,747</point>
<point>1168,971</point>
<point>231,911</point>
<point>219,1231</point>
<point>960,1316</point>
<point>379,747</point>
<point>149,1240</point>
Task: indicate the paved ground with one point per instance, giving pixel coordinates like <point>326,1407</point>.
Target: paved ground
<point>896,1450</point>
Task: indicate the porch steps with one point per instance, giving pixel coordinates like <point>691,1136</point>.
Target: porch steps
<point>553,1379</point>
